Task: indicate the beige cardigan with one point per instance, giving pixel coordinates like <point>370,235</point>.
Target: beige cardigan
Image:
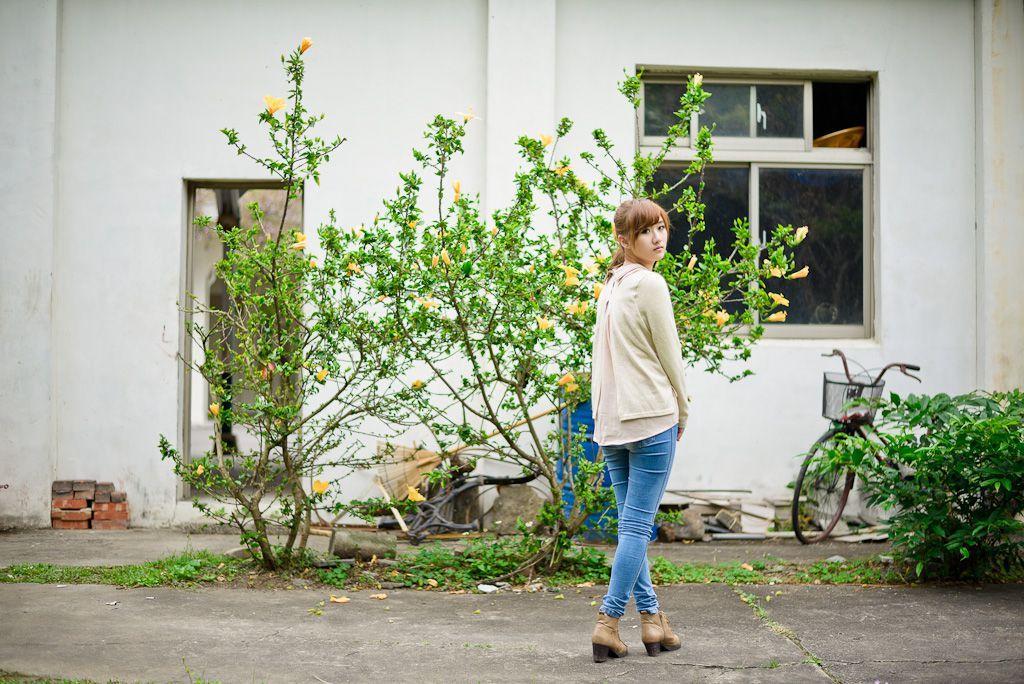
<point>645,349</point>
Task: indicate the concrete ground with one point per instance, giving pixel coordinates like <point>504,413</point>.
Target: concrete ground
<point>857,634</point>
<point>106,547</point>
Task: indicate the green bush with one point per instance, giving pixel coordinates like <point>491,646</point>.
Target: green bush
<point>956,508</point>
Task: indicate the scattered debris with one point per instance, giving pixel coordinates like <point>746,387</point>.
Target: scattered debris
<point>836,559</point>
<point>339,599</point>
<point>487,588</point>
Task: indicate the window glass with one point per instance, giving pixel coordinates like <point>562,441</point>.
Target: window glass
<point>661,100</point>
<point>780,111</point>
<point>728,108</point>
<point>831,203</point>
<point>726,196</point>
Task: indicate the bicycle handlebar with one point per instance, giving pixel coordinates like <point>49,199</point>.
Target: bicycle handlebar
<point>903,367</point>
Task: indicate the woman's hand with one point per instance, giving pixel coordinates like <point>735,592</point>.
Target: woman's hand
<point>679,433</point>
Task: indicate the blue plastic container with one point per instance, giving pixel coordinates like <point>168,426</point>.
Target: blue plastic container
<point>598,526</point>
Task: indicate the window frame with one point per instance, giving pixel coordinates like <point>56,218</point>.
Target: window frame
<point>189,188</point>
<point>758,156</point>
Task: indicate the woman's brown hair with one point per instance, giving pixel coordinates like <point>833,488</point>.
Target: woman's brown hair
<point>631,217</point>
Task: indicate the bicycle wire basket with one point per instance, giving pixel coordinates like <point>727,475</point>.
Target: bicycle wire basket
<point>838,391</point>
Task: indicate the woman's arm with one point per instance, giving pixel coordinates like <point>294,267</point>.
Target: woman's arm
<point>655,306</point>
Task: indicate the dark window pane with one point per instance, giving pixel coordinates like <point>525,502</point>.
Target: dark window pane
<point>838,108</point>
<point>661,100</point>
<point>780,111</point>
<point>729,108</point>
<point>726,198</point>
<point>831,203</point>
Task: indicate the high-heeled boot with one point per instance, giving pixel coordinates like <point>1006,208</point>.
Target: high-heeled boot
<point>656,633</point>
<point>606,639</point>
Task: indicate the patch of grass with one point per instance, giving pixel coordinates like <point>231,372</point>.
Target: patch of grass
<point>772,664</point>
<point>856,571</point>
<point>183,569</point>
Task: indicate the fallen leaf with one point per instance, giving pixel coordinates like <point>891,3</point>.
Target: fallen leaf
<point>476,612</point>
<point>585,584</point>
<point>593,603</point>
<point>339,599</point>
<point>379,597</point>
<point>559,597</point>
<point>747,566</point>
<point>432,582</point>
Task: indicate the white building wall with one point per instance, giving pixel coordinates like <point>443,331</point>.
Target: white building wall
<point>28,61</point>
<point>142,89</point>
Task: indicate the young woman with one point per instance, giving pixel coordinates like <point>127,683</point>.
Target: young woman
<point>640,408</point>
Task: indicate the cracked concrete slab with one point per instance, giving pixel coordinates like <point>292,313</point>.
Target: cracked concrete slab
<point>958,633</point>
<point>238,635</point>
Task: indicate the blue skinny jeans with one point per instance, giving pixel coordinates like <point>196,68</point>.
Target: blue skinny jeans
<point>639,472</point>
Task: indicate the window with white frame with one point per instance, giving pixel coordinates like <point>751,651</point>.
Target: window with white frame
<point>787,151</point>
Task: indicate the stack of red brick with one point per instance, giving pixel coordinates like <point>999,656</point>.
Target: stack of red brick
<point>85,504</point>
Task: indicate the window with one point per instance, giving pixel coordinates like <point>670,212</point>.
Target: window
<point>226,204</point>
<point>787,151</point>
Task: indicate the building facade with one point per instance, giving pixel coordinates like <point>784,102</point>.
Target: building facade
<point>110,136</point>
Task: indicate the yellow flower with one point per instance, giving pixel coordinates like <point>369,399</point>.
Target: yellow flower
<point>571,387</point>
<point>698,79</point>
<point>546,139</point>
<point>305,45</point>
<point>802,273</point>
<point>418,384</point>
<point>412,224</point>
<point>382,298</point>
<point>273,103</point>
<point>777,317</point>
<point>354,267</point>
<point>414,494</point>
<point>597,290</point>
<point>427,302</point>
<point>775,272</point>
<point>445,258</point>
<point>300,242</point>
<point>357,231</point>
<point>200,469</point>
<point>566,379</point>
<point>721,317</point>
<point>577,308</point>
<point>778,299</point>
<point>434,260</point>
<point>494,230</point>
<point>312,263</point>
<point>801,233</point>
<point>463,249</point>
<point>468,115</point>
<point>215,410</point>
<point>543,323</point>
<point>590,267</point>
<point>691,263</point>
<point>321,374</point>
<point>457,185</point>
<point>531,268</point>
<point>320,486</point>
<point>571,274</point>
<point>561,170</point>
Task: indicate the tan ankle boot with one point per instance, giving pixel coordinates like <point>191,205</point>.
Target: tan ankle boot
<point>606,639</point>
<point>657,634</point>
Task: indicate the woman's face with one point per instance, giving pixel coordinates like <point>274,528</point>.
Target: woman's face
<point>649,245</point>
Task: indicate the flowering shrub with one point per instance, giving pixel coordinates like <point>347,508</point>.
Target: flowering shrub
<point>294,358</point>
<point>497,312</point>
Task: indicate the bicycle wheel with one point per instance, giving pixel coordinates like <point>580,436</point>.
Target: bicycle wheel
<point>819,497</point>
